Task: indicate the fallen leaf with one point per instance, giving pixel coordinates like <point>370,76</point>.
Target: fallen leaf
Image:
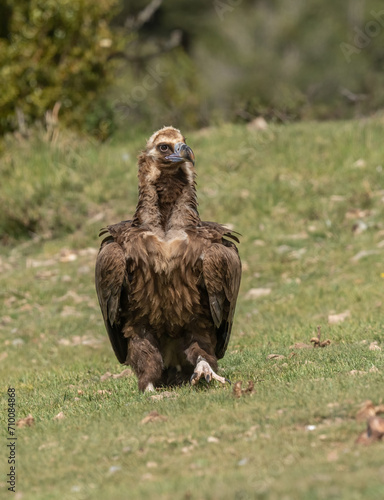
<point>59,416</point>
<point>373,433</point>
<point>125,373</point>
<point>26,307</point>
<point>367,410</point>
<point>238,391</point>
<point>333,456</point>
<point>376,427</point>
<point>165,394</point>
<point>360,163</point>
<point>275,356</point>
<point>186,449</point>
<point>300,345</point>
<point>70,311</point>
<point>316,342</point>
<point>25,422</point>
<point>151,465</point>
<point>45,275</point>
<point>374,347</point>
<point>255,293</point>
<point>5,320</point>
<point>67,256</point>
<point>333,319</point>
<point>153,416</point>
<point>252,430</point>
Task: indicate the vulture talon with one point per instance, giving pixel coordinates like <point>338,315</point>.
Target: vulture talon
<point>203,369</point>
<point>229,382</point>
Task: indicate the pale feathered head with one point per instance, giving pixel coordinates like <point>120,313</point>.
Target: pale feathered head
<point>168,148</point>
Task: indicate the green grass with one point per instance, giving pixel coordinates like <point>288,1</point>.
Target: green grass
<point>295,193</point>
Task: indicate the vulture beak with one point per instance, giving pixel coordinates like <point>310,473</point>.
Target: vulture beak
<point>182,153</point>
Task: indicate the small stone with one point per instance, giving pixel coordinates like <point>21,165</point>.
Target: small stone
<point>213,439</point>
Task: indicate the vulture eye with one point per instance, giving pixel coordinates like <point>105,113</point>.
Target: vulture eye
<point>164,148</point>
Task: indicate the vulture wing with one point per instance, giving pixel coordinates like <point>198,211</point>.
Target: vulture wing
<point>110,278</point>
<point>222,272</point>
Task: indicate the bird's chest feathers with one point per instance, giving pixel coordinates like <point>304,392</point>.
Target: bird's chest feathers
<point>165,286</point>
<point>167,252</point>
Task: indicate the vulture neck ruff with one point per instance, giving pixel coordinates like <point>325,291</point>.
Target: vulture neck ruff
<point>167,196</point>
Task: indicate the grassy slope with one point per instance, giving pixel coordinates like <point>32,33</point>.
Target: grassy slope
<point>295,193</point>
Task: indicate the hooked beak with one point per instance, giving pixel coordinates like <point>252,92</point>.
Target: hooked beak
<point>182,153</point>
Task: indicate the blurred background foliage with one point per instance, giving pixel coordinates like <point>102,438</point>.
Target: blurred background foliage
<point>121,64</point>
<point>75,72</point>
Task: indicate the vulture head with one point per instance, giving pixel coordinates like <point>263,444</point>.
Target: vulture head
<point>167,194</point>
<point>167,149</point>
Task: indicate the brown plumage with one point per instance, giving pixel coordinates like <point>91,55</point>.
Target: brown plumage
<point>167,282</point>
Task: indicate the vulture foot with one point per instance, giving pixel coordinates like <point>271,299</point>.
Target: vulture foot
<point>203,369</point>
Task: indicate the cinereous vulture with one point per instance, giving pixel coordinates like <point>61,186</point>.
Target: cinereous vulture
<point>167,282</point>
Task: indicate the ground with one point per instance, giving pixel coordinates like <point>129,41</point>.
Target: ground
<point>308,199</point>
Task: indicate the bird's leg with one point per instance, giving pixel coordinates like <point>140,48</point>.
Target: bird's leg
<point>200,355</point>
<point>150,387</point>
<point>203,369</point>
<point>146,361</point>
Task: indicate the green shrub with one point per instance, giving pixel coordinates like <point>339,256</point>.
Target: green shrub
<point>55,51</point>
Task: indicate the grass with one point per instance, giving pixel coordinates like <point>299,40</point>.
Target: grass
<point>308,199</point>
